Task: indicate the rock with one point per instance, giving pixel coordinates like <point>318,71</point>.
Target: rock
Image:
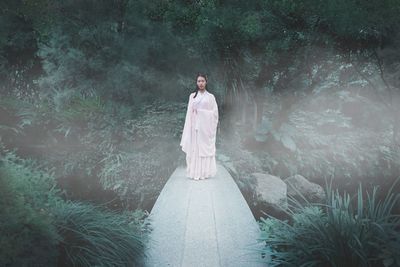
<point>311,191</point>
<point>271,190</point>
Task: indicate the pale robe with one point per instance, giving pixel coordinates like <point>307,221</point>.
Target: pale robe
<point>201,114</point>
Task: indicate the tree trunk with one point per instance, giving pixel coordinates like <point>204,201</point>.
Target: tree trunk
<point>121,9</point>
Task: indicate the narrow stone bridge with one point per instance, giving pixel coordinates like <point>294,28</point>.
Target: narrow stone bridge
<point>203,223</point>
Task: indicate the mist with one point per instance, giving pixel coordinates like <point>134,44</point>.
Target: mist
<point>94,95</point>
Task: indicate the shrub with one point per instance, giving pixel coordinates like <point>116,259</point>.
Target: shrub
<point>92,237</point>
<point>27,235</point>
<point>343,232</point>
<point>38,228</point>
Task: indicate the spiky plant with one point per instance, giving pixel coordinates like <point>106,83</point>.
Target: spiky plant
<point>92,237</point>
<point>345,231</point>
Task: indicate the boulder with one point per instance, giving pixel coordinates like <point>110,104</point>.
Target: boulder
<point>271,190</point>
<point>311,191</point>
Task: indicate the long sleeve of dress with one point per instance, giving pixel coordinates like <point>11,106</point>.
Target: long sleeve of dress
<point>186,134</point>
<point>215,115</point>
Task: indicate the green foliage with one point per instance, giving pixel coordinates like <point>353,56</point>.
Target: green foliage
<point>27,234</point>
<point>334,133</point>
<point>135,44</point>
<point>34,221</point>
<point>18,63</point>
<point>63,113</point>
<point>137,167</point>
<point>366,20</point>
<point>92,237</point>
<point>251,26</point>
<point>346,231</point>
<point>344,19</point>
<point>107,145</point>
<point>70,110</point>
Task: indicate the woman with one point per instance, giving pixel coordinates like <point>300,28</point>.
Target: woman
<point>199,132</point>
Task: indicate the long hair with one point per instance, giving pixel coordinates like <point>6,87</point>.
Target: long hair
<point>200,74</point>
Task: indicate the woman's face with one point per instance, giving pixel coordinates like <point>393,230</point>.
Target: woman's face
<point>201,83</point>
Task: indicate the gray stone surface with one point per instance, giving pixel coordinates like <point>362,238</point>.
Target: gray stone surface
<point>271,190</point>
<point>311,191</point>
<point>203,223</point>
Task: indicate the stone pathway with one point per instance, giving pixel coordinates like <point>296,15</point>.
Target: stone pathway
<point>203,223</point>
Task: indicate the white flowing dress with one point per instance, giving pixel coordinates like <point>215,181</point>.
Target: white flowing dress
<point>199,135</point>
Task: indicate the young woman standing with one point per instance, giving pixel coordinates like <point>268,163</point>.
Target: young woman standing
<point>199,132</point>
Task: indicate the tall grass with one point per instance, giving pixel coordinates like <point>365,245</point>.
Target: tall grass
<point>346,231</point>
<point>27,235</point>
<point>39,228</point>
<point>92,237</point>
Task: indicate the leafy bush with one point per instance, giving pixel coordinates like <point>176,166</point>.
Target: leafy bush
<point>27,235</point>
<point>106,144</point>
<point>34,220</point>
<point>92,237</point>
<point>137,168</point>
<point>344,232</point>
<point>322,139</point>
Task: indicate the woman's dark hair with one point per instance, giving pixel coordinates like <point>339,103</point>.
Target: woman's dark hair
<point>200,74</point>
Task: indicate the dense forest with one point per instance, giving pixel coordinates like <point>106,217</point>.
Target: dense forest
<point>93,97</point>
